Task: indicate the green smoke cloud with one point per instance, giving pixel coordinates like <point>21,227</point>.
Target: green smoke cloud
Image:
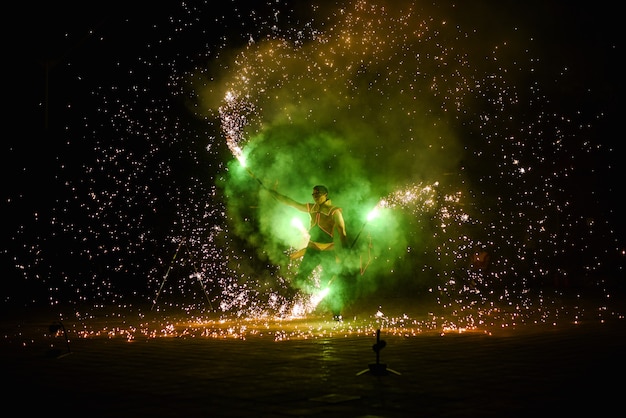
<point>362,106</point>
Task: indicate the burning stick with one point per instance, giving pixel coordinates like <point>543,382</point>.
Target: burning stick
<point>238,153</point>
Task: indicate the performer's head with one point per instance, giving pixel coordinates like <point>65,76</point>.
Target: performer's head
<point>320,194</point>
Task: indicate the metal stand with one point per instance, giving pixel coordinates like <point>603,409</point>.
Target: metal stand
<point>378,368</point>
<point>182,241</point>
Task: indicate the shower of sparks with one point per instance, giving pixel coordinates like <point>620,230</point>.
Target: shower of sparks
<point>501,230</point>
<point>233,121</point>
<point>418,197</point>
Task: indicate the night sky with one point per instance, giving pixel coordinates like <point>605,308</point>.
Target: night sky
<point>483,125</point>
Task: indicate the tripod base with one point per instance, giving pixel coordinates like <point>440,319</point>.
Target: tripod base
<point>378,369</point>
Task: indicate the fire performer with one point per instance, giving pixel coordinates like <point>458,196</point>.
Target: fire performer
<point>320,250</point>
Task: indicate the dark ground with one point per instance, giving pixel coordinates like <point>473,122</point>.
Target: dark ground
<point>170,367</point>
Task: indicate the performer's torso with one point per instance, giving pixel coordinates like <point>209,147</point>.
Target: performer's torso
<point>322,223</point>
